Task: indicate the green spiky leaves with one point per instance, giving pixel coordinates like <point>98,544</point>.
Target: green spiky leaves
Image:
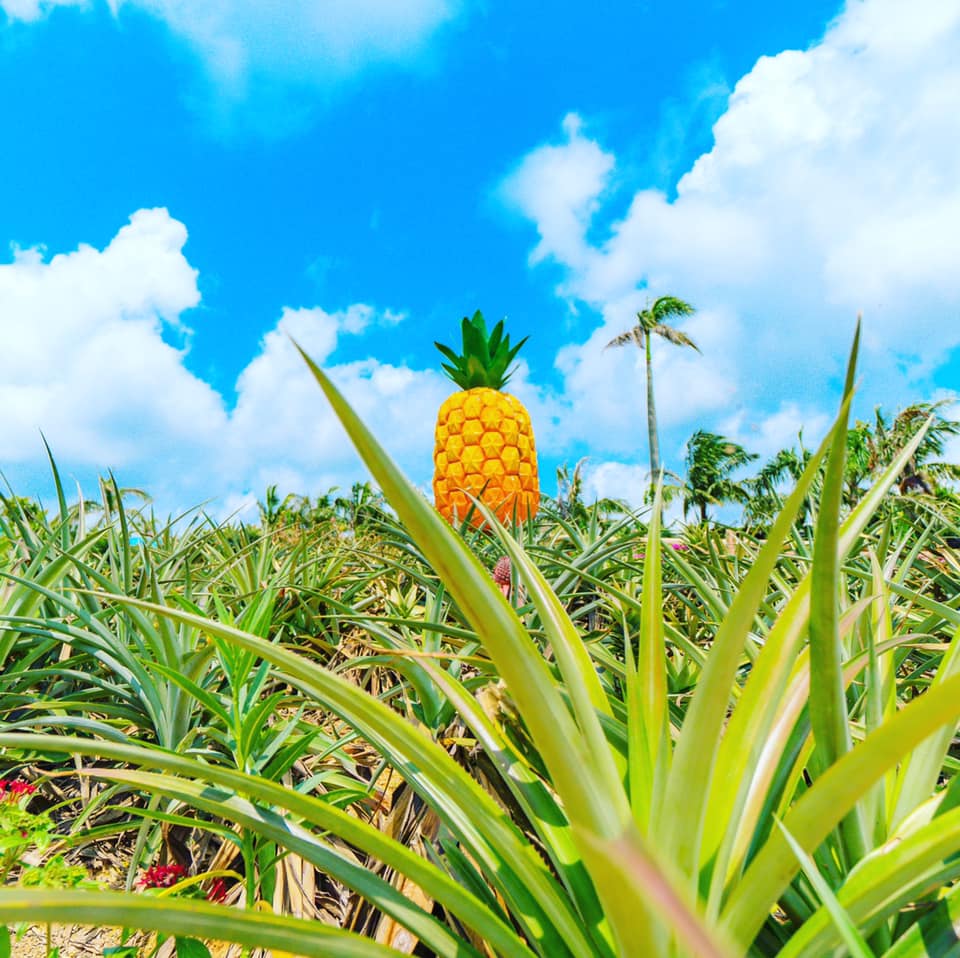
<point>484,359</point>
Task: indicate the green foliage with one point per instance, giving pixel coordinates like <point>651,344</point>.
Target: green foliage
<point>484,359</point>
<point>870,448</point>
<point>56,872</point>
<point>21,831</point>
<point>711,462</point>
<point>764,490</point>
<point>296,516</point>
<point>713,744</point>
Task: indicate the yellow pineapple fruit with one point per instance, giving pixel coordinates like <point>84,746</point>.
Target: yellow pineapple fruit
<point>484,443</point>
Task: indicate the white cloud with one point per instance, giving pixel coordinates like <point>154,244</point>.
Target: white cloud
<point>686,116</point>
<point>767,434</point>
<point>30,10</point>
<point>558,187</point>
<point>951,450</point>
<point>605,389</point>
<point>629,482</point>
<point>615,480</point>
<point>300,39</point>
<point>88,360</point>
<point>253,48</point>
<point>833,186</point>
<point>282,429</point>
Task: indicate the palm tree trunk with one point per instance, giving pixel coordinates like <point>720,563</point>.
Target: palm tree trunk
<point>652,419</point>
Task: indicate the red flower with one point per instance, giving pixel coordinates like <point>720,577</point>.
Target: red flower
<point>162,876</point>
<point>218,890</point>
<point>12,789</point>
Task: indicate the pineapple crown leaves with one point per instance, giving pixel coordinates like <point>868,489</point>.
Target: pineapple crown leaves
<point>484,358</point>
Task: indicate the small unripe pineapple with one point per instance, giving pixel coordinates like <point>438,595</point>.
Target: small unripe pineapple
<point>484,443</point>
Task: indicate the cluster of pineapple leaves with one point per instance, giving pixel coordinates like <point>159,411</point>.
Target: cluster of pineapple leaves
<point>484,359</point>
<point>343,732</point>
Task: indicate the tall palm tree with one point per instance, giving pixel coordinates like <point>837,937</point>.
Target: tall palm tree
<point>655,321</point>
<point>711,461</point>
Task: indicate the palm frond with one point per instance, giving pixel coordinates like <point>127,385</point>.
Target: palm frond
<point>667,307</point>
<point>631,336</point>
<point>674,336</point>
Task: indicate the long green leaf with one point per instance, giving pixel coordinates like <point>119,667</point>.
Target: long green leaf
<point>539,804</point>
<point>630,861</point>
<point>317,812</point>
<point>580,679</point>
<point>903,871</point>
<point>187,918</point>
<point>648,722</point>
<point>326,858</point>
<point>828,706</point>
<point>917,778</point>
<point>881,694</point>
<point>698,744</point>
<point>844,925</point>
<point>935,935</point>
<point>745,741</point>
<point>588,803</point>
<point>518,660</point>
<point>829,799</point>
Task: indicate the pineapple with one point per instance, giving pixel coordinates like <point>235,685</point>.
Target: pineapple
<point>483,441</point>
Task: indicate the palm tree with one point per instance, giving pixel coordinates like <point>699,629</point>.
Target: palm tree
<point>270,507</point>
<point>362,506</point>
<point>113,496</point>
<point>766,496</point>
<point>570,491</point>
<point>654,321</point>
<point>711,460</point>
<point>872,447</point>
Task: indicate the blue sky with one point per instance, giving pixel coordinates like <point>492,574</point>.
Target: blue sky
<point>177,193</point>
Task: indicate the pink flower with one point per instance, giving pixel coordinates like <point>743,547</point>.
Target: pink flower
<point>680,546</point>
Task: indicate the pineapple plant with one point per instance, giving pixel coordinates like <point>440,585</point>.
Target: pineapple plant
<point>484,444</point>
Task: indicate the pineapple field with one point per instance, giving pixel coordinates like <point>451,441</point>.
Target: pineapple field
<point>500,723</point>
